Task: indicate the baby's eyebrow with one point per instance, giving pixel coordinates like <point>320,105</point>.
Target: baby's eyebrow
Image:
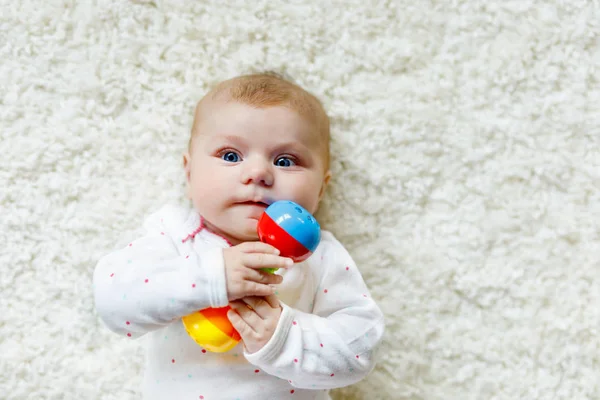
<point>292,145</point>
<point>233,138</point>
<point>228,138</point>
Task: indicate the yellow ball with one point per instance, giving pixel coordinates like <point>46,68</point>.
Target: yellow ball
<point>211,329</point>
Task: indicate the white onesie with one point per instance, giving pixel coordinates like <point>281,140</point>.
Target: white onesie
<point>326,336</point>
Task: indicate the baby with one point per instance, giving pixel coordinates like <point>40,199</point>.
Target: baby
<point>308,328</point>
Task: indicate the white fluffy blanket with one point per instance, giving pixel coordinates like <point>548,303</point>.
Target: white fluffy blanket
<point>466,161</point>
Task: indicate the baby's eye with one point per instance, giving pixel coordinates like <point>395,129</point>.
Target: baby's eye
<point>284,162</point>
<point>230,156</point>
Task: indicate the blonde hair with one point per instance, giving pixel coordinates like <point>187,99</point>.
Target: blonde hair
<point>268,89</point>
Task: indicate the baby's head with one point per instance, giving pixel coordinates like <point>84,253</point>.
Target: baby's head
<point>255,139</point>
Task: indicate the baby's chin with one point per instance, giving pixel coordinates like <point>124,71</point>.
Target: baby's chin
<point>249,231</point>
<point>245,232</point>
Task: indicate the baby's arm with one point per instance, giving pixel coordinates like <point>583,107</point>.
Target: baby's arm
<point>150,283</point>
<point>334,346</point>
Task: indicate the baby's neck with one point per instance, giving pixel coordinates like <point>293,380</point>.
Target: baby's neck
<point>232,241</point>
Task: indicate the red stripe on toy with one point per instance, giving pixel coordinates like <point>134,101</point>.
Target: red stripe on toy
<point>280,239</point>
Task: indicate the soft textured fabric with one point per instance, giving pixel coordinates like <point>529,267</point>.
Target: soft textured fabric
<point>465,157</point>
<point>326,337</point>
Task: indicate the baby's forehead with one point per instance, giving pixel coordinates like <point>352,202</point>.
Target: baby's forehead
<point>210,108</point>
<point>286,126</point>
<point>305,106</point>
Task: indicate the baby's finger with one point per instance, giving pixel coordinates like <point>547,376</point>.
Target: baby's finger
<point>239,323</point>
<point>244,309</point>
<point>262,260</point>
<point>257,247</point>
<point>258,304</point>
<point>263,277</point>
<point>257,289</point>
<point>273,301</point>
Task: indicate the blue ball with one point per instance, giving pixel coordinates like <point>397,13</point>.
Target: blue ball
<point>297,222</point>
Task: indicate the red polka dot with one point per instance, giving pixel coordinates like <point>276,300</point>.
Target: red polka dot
<point>347,268</point>
<point>292,391</point>
<point>295,360</point>
<point>193,285</point>
<point>294,322</point>
<point>332,375</point>
<point>203,350</point>
<point>321,344</point>
<point>364,295</point>
<point>128,323</point>
<point>146,281</point>
<point>201,397</point>
<point>173,361</point>
<point>162,233</point>
<point>325,291</point>
<point>357,356</point>
<point>130,244</point>
<point>113,274</point>
<point>187,256</point>
<point>129,334</point>
<point>256,371</point>
<point>289,381</point>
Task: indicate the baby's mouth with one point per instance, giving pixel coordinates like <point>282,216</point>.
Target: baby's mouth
<point>255,203</point>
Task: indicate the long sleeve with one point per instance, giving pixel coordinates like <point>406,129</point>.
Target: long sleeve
<point>152,281</point>
<point>335,345</point>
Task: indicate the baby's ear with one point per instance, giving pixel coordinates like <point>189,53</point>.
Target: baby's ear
<point>326,179</point>
<point>187,167</point>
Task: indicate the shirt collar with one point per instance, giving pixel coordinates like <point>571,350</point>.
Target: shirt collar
<point>194,224</point>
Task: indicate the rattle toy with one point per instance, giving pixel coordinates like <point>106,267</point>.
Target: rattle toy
<point>286,226</point>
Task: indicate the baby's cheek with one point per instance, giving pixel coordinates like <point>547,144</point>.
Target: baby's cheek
<point>309,198</point>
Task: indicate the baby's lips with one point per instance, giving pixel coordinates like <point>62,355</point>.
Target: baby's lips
<point>269,200</point>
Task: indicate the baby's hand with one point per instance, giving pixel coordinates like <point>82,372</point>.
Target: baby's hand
<point>242,269</point>
<point>255,318</point>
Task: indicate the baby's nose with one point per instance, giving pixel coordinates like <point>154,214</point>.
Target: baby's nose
<point>258,173</point>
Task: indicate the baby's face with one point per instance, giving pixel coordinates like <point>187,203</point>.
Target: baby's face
<point>245,158</point>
